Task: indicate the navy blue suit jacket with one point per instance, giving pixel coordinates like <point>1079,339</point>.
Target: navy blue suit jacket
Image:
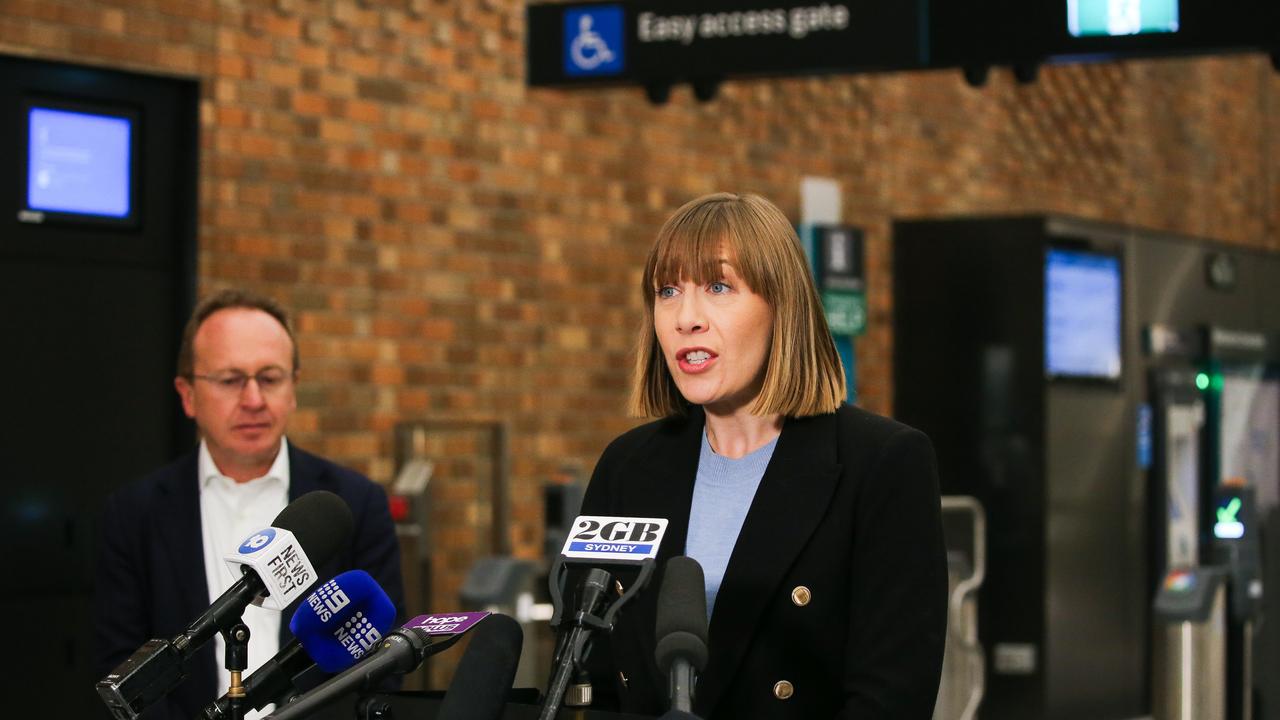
<point>848,510</point>
<point>150,573</point>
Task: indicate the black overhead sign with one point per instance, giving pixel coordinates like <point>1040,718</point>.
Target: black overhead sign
<point>658,43</point>
<point>666,42</point>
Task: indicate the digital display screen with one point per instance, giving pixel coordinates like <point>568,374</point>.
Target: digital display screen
<point>1228,521</point>
<point>1115,18</point>
<point>79,163</point>
<point>1083,300</point>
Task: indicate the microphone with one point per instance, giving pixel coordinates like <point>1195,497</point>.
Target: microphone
<point>616,541</point>
<point>681,629</point>
<point>485,672</point>
<point>277,562</point>
<point>336,626</point>
<point>595,588</point>
<point>400,652</point>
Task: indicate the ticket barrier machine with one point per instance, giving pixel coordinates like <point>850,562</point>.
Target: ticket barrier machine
<point>1205,618</point>
<point>1237,549</point>
<point>1189,614</point>
<point>1189,659</point>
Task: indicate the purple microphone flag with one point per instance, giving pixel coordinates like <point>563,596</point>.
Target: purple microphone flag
<point>447,624</point>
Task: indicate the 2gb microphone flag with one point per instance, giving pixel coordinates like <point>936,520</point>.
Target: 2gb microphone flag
<point>616,539</point>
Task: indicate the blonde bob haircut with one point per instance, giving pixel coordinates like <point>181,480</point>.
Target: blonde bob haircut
<point>803,375</point>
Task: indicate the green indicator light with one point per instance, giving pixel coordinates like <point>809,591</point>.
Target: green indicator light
<point>1202,381</point>
<point>1228,514</point>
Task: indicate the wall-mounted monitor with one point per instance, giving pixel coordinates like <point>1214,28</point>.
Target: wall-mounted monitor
<point>1116,18</point>
<point>81,165</point>
<point>1083,307</point>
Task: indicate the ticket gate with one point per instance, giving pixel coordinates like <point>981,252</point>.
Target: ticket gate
<point>1189,658</point>
<point>1236,548</point>
<point>1204,621</point>
<point>1205,543</point>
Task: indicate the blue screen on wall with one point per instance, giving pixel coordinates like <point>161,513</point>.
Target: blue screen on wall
<point>1114,18</point>
<point>1083,300</point>
<point>79,163</point>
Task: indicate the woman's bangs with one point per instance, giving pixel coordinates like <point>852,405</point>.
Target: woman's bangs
<point>690,255</point>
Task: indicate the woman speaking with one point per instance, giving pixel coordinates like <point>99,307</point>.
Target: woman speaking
<point>816,523</point>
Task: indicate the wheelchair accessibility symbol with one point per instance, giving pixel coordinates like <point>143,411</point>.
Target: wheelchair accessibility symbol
<point>593,41</point>
<point>589,50</point>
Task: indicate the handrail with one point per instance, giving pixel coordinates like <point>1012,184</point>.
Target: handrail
<point>960,595</point>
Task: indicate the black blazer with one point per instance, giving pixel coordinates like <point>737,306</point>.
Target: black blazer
<point>837,585</point>
<point>150,576</point>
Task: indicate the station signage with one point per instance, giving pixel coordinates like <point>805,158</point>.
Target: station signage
<point>642,42</point>
<point>659,43</point>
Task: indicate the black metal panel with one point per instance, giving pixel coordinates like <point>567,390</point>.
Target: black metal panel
<point>968,371</point>
<point>1170,287</point>
<point>1094,533</point>
<point>92,320</point>
<point>1092,581</point>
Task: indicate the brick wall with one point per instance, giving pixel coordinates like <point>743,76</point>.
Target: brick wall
<point>456,245</point>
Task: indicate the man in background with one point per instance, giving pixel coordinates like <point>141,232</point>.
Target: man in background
<point>159,562</point>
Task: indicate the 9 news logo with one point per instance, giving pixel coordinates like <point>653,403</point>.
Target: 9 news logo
<point>357,636</point>
<point>617,538</point>
<point>326,601</point>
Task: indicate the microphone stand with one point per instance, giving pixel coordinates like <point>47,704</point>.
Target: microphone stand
<point>569,659</point>
<point>571,653</point>
<point>372,707</point>
<point>237,659</point>
<point>683,678</point>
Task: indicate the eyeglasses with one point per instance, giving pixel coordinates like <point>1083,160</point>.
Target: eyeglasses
<point>269,381</point>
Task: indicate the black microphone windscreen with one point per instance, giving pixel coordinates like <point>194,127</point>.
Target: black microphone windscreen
<point>321,522</point>
<point>681,628</point>
<point>485,672</point>
<point>676,645</point>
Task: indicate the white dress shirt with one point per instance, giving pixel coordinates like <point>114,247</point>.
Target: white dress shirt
<point>229,513</point>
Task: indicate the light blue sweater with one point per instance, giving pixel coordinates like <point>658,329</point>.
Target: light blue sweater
<point>722,494</point>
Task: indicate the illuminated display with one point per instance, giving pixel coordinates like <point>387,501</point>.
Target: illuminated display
<point>1228,525</point>
<point>1082,315</point>
<point>79,163</point>
<point>1116,18</point>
